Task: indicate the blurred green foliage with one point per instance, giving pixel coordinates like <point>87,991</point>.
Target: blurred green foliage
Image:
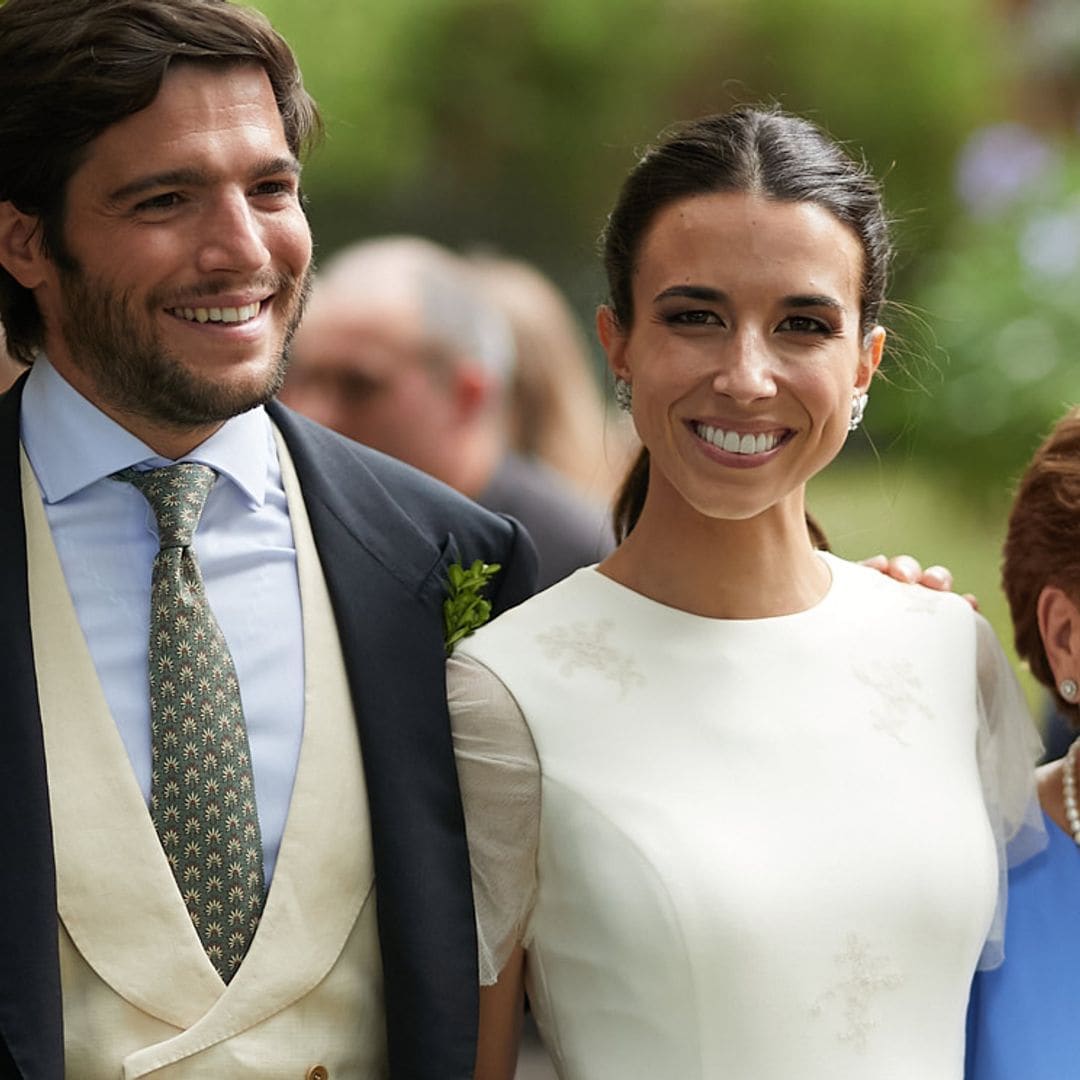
<point>1004,300</point>
<point>511,122</point>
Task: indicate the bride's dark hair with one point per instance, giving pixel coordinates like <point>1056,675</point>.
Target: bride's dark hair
<point>753,150</point>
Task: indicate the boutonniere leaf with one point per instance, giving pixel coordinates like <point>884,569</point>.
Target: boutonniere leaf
<point>465,609</point>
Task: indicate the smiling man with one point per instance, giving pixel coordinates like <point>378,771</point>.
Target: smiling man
<point>224,726</point>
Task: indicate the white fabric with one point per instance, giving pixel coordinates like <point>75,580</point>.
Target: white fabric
<point>755,848</point>
<point>106,539</point>
<point>140,997</point>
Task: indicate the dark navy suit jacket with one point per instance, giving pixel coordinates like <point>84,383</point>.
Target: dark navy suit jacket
<point>385,535</point>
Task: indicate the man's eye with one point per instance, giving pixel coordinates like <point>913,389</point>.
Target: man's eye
<point>164,201</point>
<point>275,187</point>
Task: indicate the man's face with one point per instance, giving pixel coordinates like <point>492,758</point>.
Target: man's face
<point>188,256</point>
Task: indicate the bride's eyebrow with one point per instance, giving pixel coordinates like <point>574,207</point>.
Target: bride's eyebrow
<point>812,300</point>
<point>691,292</point>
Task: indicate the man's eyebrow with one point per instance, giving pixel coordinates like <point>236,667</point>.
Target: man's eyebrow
<point>193,177</point>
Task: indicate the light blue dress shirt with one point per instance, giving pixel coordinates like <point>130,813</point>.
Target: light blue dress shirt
<point>106,537</point>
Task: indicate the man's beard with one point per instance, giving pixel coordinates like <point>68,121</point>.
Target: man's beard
<point>131,370</point>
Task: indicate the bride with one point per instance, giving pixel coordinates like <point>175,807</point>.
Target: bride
<point>739,808</point>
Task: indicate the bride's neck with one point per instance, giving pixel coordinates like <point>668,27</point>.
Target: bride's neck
<point>751,569</point>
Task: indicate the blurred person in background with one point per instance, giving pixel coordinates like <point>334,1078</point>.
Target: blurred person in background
<point>778,790</point>
<point>556,410</point>
<point>402,349</point>
<point>1022,1019</point>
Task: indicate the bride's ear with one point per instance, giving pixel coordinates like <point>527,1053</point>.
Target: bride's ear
<point>613,341</point>
<point>873,348</point>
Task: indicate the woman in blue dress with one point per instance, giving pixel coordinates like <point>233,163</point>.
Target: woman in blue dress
<point>1023,1016</point>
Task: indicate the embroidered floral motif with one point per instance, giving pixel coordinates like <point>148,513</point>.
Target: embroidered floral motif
<point>900,689</point>
<point>584,646</point>
<point>864,977</point>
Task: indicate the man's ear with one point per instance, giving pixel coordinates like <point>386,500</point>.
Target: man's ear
<point>21,253</point>
<point>1059,627</point>
<point>870,357</point>
<point>613,340</point>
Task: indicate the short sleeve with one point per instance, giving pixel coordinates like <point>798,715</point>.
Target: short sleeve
<point>1008,748</point>
<point>499,775</point>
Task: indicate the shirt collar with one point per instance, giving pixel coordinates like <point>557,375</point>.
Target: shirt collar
<point>71,443</point>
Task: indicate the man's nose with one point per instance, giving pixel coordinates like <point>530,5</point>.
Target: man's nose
<point>233,238</point>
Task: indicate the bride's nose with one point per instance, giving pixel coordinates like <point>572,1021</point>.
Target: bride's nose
<point>745,368</point>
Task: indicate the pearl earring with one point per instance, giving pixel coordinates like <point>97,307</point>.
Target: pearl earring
<point>1069,689</point>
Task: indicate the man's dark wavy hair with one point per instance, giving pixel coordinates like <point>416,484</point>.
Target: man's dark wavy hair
<point>69,69</point>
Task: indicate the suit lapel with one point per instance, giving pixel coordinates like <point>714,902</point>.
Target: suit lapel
<point>30,1012</point>
<point>385,582</point>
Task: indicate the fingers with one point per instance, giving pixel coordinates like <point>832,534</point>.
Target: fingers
<point>907,569</point>
<point>937,577</point>
<point>902,567</point>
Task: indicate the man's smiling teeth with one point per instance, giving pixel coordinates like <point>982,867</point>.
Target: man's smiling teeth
<point>734,443</point>
<point>218,314</point>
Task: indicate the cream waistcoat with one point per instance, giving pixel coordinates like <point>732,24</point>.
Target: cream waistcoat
<point>140,996</point>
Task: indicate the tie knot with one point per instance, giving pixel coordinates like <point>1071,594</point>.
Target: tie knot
<point>177,494</point>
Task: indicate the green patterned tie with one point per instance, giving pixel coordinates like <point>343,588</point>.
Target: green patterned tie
<point>202,794</point>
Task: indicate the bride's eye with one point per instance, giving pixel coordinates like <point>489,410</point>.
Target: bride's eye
<point>805,324</point>
<point>693,317</point>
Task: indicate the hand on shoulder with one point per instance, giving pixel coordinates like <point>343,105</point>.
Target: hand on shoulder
<point>907,569</point>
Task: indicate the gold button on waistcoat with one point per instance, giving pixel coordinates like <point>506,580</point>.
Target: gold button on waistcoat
<point>318,1072</point>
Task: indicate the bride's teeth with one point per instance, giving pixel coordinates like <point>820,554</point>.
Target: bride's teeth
<point>733,442</point>
<point>202,315</point>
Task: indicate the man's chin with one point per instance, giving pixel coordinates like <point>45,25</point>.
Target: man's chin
<point>170,395</point>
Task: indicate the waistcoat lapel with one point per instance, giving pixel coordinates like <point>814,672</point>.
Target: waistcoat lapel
<point>116,894</point>
<point>324,873</point>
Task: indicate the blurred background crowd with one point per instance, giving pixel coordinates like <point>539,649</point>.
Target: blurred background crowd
<point>499,129</point>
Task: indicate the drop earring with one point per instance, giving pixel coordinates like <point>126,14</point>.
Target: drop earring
<point>858,410</point>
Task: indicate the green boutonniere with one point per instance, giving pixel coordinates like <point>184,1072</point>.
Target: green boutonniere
<point>464,609</point>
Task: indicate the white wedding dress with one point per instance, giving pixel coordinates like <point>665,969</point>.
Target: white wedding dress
<point>765,849</point>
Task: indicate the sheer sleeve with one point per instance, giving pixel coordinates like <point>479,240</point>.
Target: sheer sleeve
<point>1008,747</point>
<point>500,789</point>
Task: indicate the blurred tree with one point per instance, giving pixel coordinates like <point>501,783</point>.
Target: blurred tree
<point>512,121</point>
<point>1002,294</point>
